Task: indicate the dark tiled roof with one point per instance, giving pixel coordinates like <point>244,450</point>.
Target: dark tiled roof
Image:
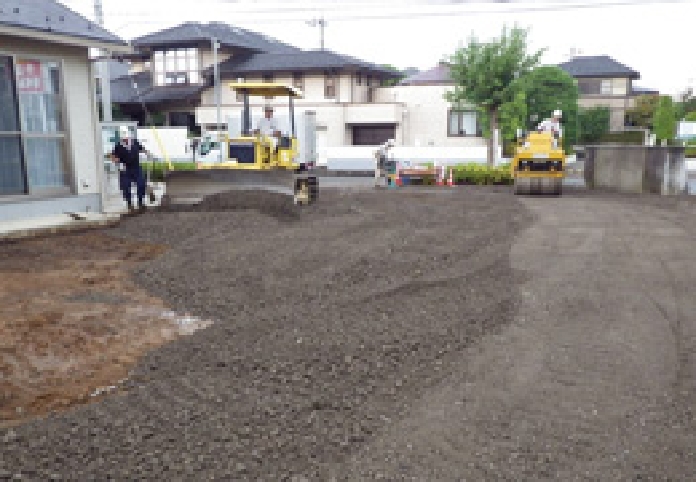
<point>124,92</point>
<point>598,66</point>
<point>436,76</point>
<point>300,61</point>
<point>228,35</point>
<point>53,17</point>
<point>644,90</point>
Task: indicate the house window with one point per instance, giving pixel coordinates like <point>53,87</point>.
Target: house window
<point>32,138</point>
<point>177,67</point>
<point>298,81</point>
<point>240,96</point>
<point>461,123</point>
<point>606,87</point>
<point>590,86</point>
<point>330,86</point>
<point>358,79</point>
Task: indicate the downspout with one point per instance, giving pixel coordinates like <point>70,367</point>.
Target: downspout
<point>99,141</point>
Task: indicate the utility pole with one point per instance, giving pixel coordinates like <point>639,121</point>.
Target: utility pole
<point>216,75</point>
<point>103,68</point>
<point>321,22</point>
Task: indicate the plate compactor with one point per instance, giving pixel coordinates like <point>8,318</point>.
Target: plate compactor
<point>539,164</point>
<point>251,161</point>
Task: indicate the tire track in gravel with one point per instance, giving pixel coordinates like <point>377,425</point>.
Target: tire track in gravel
<point>585,384</point>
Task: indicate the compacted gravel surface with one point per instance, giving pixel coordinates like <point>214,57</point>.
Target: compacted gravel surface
<point>461,334</point>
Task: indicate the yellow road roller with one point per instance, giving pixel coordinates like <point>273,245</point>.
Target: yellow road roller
<point>539,164</point>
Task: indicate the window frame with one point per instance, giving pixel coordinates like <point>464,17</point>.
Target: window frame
<point>452,111</point>
<point>62,135</point>
<point>333,77</point>
<point>190,57</point>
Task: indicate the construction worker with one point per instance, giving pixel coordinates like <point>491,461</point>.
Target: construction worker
<point>381,157</point>
<point>553,124</point>
<point>267,126</point>
<point>126,155</point>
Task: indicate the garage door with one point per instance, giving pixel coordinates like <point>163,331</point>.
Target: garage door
<point>373,135</point>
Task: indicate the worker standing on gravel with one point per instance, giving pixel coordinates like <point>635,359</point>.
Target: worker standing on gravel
<point>126,154</point>
<point>381,158</point>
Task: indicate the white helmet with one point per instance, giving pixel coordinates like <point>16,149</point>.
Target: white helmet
<point>557,113</point>
<point>124,132</point>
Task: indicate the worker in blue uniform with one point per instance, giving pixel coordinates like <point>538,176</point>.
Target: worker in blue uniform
<point>126,154</point>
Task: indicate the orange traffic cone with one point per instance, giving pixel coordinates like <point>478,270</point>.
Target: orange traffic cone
<point>441,176</point>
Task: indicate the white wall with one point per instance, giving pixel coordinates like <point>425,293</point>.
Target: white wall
<point>426,119</point>
<point>81,117</point>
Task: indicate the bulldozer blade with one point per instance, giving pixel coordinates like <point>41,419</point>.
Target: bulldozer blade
<point>190,187</point>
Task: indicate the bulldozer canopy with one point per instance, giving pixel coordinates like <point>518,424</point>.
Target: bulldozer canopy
<point>265,89</point>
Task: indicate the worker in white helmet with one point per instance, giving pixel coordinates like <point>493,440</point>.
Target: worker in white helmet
<point>553,124</point>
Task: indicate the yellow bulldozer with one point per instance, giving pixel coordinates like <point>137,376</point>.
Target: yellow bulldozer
<point>251,160</point>
<point>539,164</point>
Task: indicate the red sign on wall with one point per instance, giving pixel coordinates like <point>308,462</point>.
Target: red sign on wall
<point>29,77</point>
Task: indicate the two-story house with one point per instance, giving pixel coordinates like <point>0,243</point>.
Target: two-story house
<point>602,81</point>
<point>171,75</point>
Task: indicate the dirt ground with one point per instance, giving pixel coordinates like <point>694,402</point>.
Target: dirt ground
<point>72,322</point>
<point>462,334</point>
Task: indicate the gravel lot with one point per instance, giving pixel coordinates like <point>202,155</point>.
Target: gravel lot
<point>411,335</point>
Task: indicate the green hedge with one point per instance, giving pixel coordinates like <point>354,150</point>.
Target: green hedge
<point>629,137</point>
<point>691,151</point>
<point>481,174</point>
<point>157,169</point>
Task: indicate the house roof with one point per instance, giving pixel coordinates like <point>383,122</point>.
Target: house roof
<point>644,91</point>
<point>299,61</point>
<point>438,75</point>
<point>124,92</point>
<point>52,17</point>
<point>597,66</point>
<point>227,35</point>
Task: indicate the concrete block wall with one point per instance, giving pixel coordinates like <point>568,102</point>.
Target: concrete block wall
<point>636,169</point>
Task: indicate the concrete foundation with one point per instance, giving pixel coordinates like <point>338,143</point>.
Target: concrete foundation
<point>636,169</point>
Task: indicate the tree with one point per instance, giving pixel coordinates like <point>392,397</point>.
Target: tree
<point>686,104</point>
<point>644,111</point>
<point>512,116</point>
<point>665,119</point>
<point>392,82</point>
<point>548,88</point>
<point>594,123</point>
<point>488,74</point>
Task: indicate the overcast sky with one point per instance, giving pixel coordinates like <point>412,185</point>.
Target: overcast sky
<point>649,36</point>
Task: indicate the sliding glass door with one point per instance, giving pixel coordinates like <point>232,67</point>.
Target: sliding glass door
<point>32,139</point>
<point>12,175</point>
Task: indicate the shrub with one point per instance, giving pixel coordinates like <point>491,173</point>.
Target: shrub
<point>628,137</point>
<point>158,169</point>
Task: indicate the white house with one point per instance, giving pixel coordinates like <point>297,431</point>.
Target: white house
<point>49,128</point>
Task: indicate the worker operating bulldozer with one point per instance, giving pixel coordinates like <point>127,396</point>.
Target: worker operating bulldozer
<point>260,157</point>
<point>539,163</point>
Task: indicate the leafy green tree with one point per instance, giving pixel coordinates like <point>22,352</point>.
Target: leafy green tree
<point>686,104</point>
<point>512,116</point>
<point>594,123</point>
<point>665,119</point>
<point>644,111</point>
<point>487,74</point>
<point>690,117</point>
<point>549,88</point>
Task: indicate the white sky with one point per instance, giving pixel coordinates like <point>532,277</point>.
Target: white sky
<point>649,36</point>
